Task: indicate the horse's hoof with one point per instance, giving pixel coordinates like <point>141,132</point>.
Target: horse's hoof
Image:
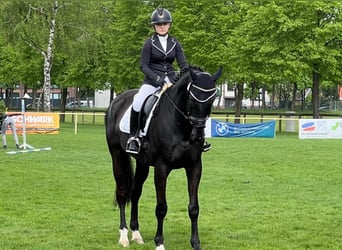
<point>136,236</point>
<point>160,247</point>
<point>124,237</point>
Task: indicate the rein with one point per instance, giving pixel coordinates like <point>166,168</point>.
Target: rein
<point>176,107</point>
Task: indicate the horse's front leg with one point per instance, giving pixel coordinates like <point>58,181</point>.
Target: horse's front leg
<point>194,177</point>
<point>160,176</point>
<point>141,174</point>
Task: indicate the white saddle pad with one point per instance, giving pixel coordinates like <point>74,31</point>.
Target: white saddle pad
<point>125,120</point>
<point>125,123</point>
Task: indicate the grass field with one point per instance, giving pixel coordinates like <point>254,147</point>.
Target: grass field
<point>281,193</point>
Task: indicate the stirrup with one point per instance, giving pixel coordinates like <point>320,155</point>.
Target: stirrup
<point>133,140</point>
<point>206,147</point>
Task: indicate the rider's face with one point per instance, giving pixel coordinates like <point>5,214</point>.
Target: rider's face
<point>162,28</point>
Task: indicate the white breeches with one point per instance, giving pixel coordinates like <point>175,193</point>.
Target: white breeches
<point>139,98</point>
<point>144,91</point>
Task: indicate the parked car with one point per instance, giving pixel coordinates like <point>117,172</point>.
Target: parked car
<point>326,107</point>
<point>270,107</point>
<point>81,104</point>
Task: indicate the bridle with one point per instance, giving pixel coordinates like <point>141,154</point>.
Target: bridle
<point>197,122</point>
<point>197,102</point>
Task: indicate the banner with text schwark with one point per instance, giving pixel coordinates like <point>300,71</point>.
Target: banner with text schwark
<point>216,128</point>
<point>36,122</point>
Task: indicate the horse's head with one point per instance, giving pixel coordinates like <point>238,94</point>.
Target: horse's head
<point>201,95</point>
<point>193,96</point>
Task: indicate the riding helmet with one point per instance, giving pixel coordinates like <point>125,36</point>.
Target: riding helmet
<point>161,15</point>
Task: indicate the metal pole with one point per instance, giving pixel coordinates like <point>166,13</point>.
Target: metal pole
<point>24,145</point>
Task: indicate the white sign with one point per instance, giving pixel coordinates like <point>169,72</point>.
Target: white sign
<point>320,128</point>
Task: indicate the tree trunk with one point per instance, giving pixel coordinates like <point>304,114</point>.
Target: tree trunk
<point>238,101</point>
<point>48,65</point>
<point>8,99</point>
<point>294,96</point>
<point>219,96</point>
<point>35,105</point>
<point>263,97</point>
<point>253,86</point>
<point>272,97</point>
<point>111,96</point>
<point>64,95</point>
<point>315,91</point>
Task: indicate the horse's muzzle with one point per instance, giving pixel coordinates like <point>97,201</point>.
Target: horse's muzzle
<point>197,135</point>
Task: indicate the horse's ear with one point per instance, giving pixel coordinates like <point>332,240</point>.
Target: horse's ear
<point>217,74</point>
<point>192,74</point>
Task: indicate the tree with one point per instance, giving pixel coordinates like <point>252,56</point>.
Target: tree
<point>95,43</point>
<point>19,64</point>
<point>202,29</point>
<point>44,14</point>
<point>282,41</point>
<point>38,25</point>
<point>125,38</point>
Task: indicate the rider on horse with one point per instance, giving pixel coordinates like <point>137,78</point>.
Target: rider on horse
<point>157,56</point>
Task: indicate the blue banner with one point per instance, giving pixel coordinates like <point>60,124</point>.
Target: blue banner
<point>227,129</point>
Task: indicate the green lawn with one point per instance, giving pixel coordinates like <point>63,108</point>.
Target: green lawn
<point>281,193</point>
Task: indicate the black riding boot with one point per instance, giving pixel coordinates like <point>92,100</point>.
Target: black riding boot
<point>133,143</point>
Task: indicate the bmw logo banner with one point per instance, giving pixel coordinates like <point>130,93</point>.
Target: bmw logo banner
<point>216,128</point>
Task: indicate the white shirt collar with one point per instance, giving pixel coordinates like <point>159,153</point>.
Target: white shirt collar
<point>163,41</point>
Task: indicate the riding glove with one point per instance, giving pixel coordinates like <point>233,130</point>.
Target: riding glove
<point>160,81</point>
<point>184,70</point>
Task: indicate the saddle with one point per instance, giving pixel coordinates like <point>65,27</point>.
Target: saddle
<point>148,110</point>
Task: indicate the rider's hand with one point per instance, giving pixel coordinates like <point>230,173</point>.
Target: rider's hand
<point>184,70</point>
<point>160,81</point>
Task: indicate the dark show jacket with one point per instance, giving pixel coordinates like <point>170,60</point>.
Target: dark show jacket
<point>156,62</point>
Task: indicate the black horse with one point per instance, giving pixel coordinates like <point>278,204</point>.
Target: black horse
<point>175,139</point>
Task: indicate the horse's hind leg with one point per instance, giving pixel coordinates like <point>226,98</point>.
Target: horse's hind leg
<point>140,177</point>
<point>123,174</point>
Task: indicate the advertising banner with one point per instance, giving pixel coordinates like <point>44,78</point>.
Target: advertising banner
<point>216,128</point>
<point>320,128</point>
<point>37,122</point>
